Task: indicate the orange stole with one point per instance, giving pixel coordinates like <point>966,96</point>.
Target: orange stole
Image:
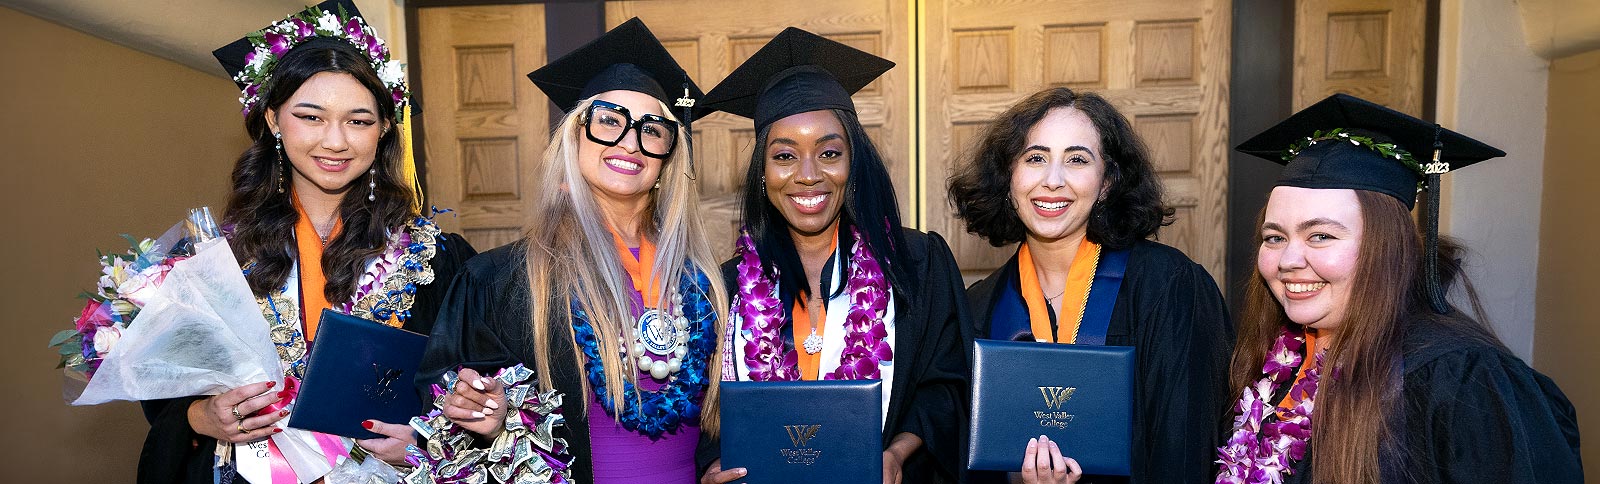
<point>641,270</point>
<point>1080,275</point>
<point>1290,399</point>
<point>811,364</point>
<point>308,246</point>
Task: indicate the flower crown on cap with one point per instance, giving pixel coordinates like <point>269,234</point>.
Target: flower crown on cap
<point>272,42</point>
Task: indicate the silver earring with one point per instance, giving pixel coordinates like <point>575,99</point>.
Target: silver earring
<point>278,150</point>
<point>658,183</point>
<point>372,184</point>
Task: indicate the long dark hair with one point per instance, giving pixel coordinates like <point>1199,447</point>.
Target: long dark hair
<point>1357,403</point>
<point>980,189</point>
<point>869,206</point>
<point>263,220</point>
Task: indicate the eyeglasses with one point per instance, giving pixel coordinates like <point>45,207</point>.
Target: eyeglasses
<point>608,123</point>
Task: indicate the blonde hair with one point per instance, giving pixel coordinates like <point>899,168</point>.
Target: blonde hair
<point>570,258</point>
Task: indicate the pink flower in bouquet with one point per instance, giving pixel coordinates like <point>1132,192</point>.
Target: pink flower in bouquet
<point>96,314</point>
<point>105,338</point>
<point>138,288</point>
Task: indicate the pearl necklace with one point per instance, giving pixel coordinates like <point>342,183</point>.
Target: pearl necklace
<point>659,341</point>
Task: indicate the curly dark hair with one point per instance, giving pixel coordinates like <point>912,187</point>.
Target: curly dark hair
<point>262,220</point>
<point>1131,210</point>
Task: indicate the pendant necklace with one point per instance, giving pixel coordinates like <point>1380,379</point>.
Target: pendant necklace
<point>813,343</point>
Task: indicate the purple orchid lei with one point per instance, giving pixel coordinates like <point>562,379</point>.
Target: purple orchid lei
<point>1262,451</point>
<point>761,312</point>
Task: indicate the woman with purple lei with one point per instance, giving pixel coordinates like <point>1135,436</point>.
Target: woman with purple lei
<point>826,284</point>
<point>1351,365</point>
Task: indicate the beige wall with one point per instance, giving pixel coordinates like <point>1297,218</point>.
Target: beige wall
<point>97,140</point>
<point>1568,321</point>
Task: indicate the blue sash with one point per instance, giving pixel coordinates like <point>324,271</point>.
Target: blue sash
<point>1010,317</point>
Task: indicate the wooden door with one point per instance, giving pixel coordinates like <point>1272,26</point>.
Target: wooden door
<point>1163,63</point>
<point>1372,49</point>
<point>711,37</point>
<point>486,125</point>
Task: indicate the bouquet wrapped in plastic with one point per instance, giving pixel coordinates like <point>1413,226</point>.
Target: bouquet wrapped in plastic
<point>173,317</point>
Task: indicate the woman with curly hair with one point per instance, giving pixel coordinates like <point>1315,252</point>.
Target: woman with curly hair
<point>1063,173</point>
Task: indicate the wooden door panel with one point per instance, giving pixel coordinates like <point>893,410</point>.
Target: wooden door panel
<point>726,32</point>
<point>1162,63</point>
<point>1368,48</point>
<point>486,125</point>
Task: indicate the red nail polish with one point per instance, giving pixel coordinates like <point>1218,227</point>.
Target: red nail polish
<point>284,395</point>
<point>277,431</point>
<point>366,424</point>
<point>283,413</point>
<point>271,383</point>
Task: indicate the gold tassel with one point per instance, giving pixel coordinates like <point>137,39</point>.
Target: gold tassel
<point>408,165</point>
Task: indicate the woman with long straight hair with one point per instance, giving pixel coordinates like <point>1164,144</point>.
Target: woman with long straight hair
<point>323,216</point>
<point>850,294</point>
<point>591,341</point>
<point>1351,365</point>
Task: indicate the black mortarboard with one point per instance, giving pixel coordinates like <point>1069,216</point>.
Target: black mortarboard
<point>232,56</point>
<point>1348,142</point>
<point>1333,160</point>
<point>628,58</point>
<point>796,72</point>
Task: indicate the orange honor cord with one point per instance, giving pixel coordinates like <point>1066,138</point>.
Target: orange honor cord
<point>1080,276</point>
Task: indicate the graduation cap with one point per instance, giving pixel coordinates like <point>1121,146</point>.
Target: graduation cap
<point>796,72</point>
<point>1348,142</point>
<point>627,58</point>
<point>234,56</point>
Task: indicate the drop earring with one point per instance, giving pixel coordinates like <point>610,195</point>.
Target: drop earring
<point>282,164</point>
<point>372,184</point>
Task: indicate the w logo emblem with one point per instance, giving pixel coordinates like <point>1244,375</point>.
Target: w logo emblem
<point>799,435</point>
<point>1055,396</point>
<point>386,376</point>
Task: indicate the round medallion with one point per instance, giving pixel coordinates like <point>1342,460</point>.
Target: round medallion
<point>656,333</point>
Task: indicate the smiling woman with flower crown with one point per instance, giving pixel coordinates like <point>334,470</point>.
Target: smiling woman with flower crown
<point>828,286</point>
<point>588,346</point>
<point>323,216</point>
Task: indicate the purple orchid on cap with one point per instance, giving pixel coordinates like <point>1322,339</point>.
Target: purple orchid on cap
<point>271,43</point>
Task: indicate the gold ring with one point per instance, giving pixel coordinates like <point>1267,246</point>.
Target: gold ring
<point>236,415</point>
<point>241,428</point>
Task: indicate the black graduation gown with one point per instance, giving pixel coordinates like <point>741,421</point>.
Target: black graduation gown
<point>173,452</point>
<point>1474,413</point>
<point>929,397</point>
<point>486,325</point>
<point>1170,310</point>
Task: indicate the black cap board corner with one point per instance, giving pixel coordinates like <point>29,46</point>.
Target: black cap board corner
<point>628,57</point>
<point>796,72</point>
<point>1315,155</point>
<point>232,56</point>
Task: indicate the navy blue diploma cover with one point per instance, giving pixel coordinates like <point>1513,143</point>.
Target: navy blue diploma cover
<point>806,431</point>
<point>358,370</point>
<point>1081,396</point>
